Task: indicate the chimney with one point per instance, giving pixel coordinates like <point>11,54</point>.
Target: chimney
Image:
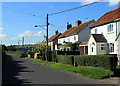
<point>78,22</point>
<point>68,25</point>
<point>56,32</point>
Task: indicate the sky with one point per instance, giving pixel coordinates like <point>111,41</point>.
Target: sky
<point>18,19</point>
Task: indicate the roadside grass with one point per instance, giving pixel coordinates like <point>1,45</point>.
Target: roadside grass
<point>13,52</point>
<point>38,60</point>
<point>87,71</point>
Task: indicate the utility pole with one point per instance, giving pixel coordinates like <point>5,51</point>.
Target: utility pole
<point>23,41</point>
<point>47,37</point>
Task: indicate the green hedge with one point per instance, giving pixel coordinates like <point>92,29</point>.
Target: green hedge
<point>105,61</point>
<point>65,59</point>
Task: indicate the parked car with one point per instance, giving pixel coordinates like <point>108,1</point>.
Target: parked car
<point>23,55</point>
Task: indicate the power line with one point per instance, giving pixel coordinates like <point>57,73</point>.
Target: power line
<point>75,8</point>
<point>20,11</point>
<point>57,25</point>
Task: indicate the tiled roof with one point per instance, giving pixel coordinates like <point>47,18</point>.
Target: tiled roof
<point>54,37</point>
<point>99,37</point>
<point>84,43</point>
<point>109,16</point>
<point>75,29</point>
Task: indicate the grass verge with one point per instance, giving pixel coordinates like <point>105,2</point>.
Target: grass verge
<point>87,71</point>
<point>38,60</point>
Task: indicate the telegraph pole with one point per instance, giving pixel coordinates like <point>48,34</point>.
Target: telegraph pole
<point>47,37</point>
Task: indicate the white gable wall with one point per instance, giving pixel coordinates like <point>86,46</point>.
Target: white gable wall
<point>90,45</point>
<point>109,36</point>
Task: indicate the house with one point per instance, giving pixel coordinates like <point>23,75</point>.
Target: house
<point>52,41</point>
<point>103,34</point>
<point>80,32</point>
<point>118,41</point>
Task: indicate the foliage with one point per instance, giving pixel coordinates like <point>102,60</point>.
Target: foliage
<point>105,61</point>
<point>92,72</point>
<point>38,60</point>
<point>118,71</point>
<point>11,48</point>
<point>65,59</point>
<point>14,52</point>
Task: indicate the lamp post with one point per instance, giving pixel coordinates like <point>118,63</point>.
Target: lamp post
<point>46,33</point>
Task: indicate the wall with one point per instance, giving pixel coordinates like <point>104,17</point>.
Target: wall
<point>99,51</point>
<point>91,40</point>
<point>71,39</point>
<point>84,34</point>
<point>110,36</point>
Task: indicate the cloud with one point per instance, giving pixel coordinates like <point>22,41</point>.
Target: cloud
<point>2,35</point>
<point>26,34</point>
<point>111,2</point>
<point>1,28</point>
<point>13,38</point>
<point>39,33</point>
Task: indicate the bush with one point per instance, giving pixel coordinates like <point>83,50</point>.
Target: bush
<point>105,61</point>
<point>65,59</point>
<point>68,52</point>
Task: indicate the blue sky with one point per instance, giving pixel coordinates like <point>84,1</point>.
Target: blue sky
<point>18,20</point>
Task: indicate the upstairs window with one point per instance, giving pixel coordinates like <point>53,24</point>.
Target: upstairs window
<point>74,37</point>
<point>95,31</point>
<point>68,39</point>
<point>110,28</point>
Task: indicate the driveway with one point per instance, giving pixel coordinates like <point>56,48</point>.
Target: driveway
<point>23,71</point>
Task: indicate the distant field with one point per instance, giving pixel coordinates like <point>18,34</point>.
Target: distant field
<point>14,53</point>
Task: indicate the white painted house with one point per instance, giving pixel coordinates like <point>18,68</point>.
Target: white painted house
<point>80,32</point>
<point>103,34</point>
<point>52,41</point>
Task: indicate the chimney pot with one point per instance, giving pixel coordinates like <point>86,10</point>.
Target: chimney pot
<point>56,32</point>
<point>68,25</point>
<point>78,22</point>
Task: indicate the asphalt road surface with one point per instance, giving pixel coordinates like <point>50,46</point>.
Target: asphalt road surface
<point>23,71</point>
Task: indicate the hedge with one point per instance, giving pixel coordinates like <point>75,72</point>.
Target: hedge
<point>67,52</point>
<point>105,61</point>
<point>65,59</point>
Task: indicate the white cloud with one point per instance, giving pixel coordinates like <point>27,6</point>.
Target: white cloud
<point>111,2</point>
<point>26,34</point>
<point>13,38</point>
<point>38,34</point>
<point>2,35</point>
<point>1,28</point>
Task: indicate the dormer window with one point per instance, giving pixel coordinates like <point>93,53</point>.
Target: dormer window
<point>110,28</point>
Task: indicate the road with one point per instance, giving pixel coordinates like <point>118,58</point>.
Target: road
<point>23,71</point>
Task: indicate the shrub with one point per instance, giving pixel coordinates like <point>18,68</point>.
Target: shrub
<point>68,52</point>
<point>65,59</point>
<point>105,61</point>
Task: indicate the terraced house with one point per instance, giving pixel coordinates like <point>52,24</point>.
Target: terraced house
<point>52,41</point>
<point>105,33</point>
<point>80,32</point>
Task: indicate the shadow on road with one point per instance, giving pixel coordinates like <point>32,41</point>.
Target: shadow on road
<point>11,70</point>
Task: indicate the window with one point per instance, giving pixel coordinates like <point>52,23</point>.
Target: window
<point>59,40</point>
<point>102,46</point>
<point>110,28</point>
<point>63,40</point>
<point>74,37</point>
<point>92,49</point>
<point>68,39</point>
<point>95,31</point>
<point>111,47</point>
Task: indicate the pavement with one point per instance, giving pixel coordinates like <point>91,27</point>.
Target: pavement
<point>21,71</point>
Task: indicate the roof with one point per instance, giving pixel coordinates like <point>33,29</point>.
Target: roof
<point>84,43</point>
<point>54,37</point>
<point>117,36</point>
<point>75,29</point>
<point>99,37</point>
<point>109,16</point>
